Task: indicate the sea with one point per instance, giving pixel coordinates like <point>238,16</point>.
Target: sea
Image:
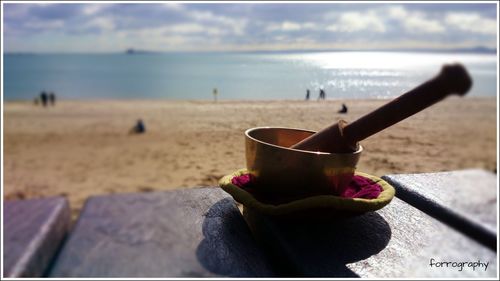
<point>236,76</point>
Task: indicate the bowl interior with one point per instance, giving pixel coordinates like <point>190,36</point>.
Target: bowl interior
<point>284,138</point>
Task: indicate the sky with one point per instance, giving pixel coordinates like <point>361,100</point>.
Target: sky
<point>115,27</point>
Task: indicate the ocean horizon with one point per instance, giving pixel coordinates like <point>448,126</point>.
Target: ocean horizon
<point>236,75</point>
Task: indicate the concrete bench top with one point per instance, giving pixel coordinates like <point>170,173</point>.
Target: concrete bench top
<point>33,232</point>
<point>397,241</point>
<point>466,200</point>
<point>195,232</point>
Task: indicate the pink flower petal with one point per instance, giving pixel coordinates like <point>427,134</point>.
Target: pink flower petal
<point>361,187</point>
<point>243,181</point>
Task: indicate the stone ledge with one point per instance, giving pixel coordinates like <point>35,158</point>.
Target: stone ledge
<point>465,200</point>
<point>33,232</point>
<point>197,232</point>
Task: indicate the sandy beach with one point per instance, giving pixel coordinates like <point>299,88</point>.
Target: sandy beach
<point>82,148</point>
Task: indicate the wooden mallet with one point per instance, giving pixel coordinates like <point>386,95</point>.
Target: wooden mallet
<point>342,137</point>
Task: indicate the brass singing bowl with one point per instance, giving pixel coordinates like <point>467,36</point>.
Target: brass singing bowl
<point>286,174</point>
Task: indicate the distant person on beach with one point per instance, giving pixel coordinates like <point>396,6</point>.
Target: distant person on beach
<point>43,98</point>
<point>343,109</point>
<point>52,98</point>
<point>139,128</point>
<point>215,94</point>
<point>308,94</point>
<point>322,94</point>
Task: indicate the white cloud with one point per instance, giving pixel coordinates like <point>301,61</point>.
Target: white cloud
<point>190,28</point>
<point>179,35</point>
<point>397,12</point>
<point>290,26</point>
<point>92,9</point>
<point>356,21</point>
<point>103,23</point>
<point>279,38</point>
<point>161,38</point>
<point>186,28</point>
<point>173,6</point>
<point>471,22</point>
<point>237,26</point>
<point>418,23</point>
<point>45,25</point>
<point>415,22</point>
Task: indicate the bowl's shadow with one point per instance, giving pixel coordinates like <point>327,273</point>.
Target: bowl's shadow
<point>294,248</point>
<point>320,247</point>
<point>228,248</point>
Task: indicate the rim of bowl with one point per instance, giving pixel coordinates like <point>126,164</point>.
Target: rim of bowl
<point>248,131</point>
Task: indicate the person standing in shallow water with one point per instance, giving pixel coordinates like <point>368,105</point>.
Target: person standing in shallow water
<point>321,94</point>
<point>43,98</point>
<point>308,94</point>
<point>215,94</point>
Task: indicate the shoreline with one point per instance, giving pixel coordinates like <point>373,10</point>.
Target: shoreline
<point>226,100</point>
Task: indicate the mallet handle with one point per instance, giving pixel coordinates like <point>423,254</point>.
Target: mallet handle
<point>453,79</point>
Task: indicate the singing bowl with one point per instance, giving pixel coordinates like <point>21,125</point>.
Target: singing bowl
<point>287,174</point>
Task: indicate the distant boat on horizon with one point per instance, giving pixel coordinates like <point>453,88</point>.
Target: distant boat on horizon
<point>132,51</point>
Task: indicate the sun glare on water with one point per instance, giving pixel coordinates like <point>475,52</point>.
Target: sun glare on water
<point>386,60</point>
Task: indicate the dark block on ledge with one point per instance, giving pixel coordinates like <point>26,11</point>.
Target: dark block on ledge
<point>463,199</point>
<point>33,232</point>
<point>195,232</point>
<point>397,241</point>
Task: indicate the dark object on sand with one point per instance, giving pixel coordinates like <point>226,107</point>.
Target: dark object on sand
<point>308,94</point>
<point>52,98</point>
<point>139,128</point>
<point>43,98</point>
<point>343,138</point>
<point>343,109</point>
